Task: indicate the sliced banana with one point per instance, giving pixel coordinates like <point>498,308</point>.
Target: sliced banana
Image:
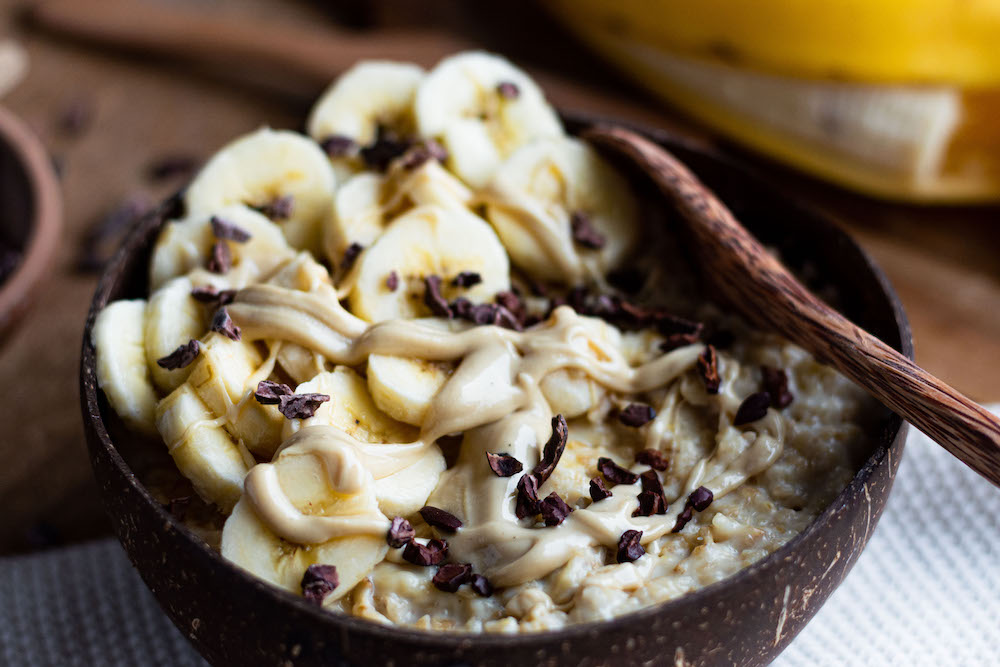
<point>186,245</point>
<point>403,388</point>
<point>482,108</point>
<point>367,202</point>
<point>372,95</point>
<point>428,240</point>
<point>537,193</point>
<point>352,410</point>
<point>122,371</point>
<point>203,450</point>
<point>173,318</point>
<point>305,482</point>
<point>570,392</point>
<point>224,378</point>
<point>262,167</point>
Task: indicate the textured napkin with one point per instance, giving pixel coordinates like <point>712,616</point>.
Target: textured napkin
<point>926,591</point>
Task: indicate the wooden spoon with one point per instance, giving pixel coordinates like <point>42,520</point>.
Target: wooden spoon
<point>757,284</point>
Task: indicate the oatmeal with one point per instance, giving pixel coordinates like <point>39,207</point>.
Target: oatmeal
<point>431,369</point>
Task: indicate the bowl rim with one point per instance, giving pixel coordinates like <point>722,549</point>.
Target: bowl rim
<point>891,428</point>
<point>46,220</point>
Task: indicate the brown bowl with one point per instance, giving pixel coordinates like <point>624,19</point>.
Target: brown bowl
<point>747,619</point>
<point>32,215</point>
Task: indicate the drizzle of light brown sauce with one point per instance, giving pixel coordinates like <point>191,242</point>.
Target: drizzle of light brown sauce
<point>493,397</point>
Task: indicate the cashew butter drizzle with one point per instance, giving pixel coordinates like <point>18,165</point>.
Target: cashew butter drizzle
<point>493,397</point>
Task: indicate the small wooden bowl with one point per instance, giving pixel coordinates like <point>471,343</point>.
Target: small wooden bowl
<point>747,619</point>
<point>32,215</point>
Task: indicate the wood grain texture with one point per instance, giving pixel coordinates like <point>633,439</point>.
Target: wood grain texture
<point>755,283</point>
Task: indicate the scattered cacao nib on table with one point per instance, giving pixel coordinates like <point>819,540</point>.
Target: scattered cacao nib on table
<point>104,235</point>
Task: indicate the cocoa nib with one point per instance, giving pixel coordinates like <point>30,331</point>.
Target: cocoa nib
<point>775,382</point>
<point>350,256</point>
<point>337,145</point>
<point>484,313</point>
<point>527,497</point>
<point>392,281</point>
<point>300,406</point>
<point>752,408</point>
<point>466,279</point>
<point>614,472</point>
<point>430,554</point>
<point>437,304</point>
<point>279,208</point>
<point>400,533</point>
<point>212,295</point>
<point>387,147</point>
<point>584,233</point>
<point>437,517</point>
<point>223,324</point>
<point>652,458</point>
<point>636,414</point>
<point>228,231</point>
<point>700,498</point>
<point>677,340</point>
<point>554,509</point>
<point>553,450</point>
<point>270,393</point>
<point>597,490</point>
<point>221,260</point>
<point>422,153</point>
<point>508,90</point>
<point>682,519</point>
<point>481,585</point>
<point>450,577</point>
<point>708,367</point>
<point>629,549</point>
<point>181,357</point>
<point>318,582</point>
<point>651,499</point>
<point>504,465</point>
<point>512,302</point>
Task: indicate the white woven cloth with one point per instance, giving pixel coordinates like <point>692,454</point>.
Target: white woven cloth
<point>926,591</point>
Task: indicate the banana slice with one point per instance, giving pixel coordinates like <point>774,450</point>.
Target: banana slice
<point>482,108</point>
<point>545,196</point>
<point>570,392</point>
<point>352,410</point>
<point>186,245</point>
<point>122,371</point>
<point>428,240</point>
<point>371,96</point>
<point>202,449</point>
<point>224,379</point>
<point>403,388</point>
<point>173,318</point>
<point>365,204</point>
<point>263,167</point>
<point>305,482</point>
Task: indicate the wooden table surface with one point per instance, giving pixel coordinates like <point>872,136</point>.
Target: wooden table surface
<point>106,116</point>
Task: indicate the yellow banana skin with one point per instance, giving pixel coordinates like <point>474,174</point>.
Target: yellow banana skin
<point>876,41</point>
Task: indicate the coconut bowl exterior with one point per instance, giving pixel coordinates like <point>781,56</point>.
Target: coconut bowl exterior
<point>234,619</point>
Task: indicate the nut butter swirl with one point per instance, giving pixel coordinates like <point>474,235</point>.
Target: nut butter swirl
<point>493,397</point>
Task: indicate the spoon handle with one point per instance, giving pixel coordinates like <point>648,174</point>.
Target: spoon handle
<point>756,283</point>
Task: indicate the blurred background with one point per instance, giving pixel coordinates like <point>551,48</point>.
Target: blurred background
<point>883,116</point>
